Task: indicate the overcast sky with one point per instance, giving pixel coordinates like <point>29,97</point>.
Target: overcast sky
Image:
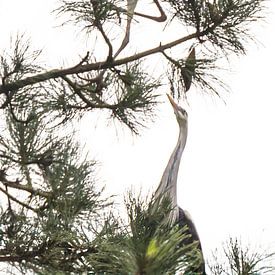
<point>227,176</point>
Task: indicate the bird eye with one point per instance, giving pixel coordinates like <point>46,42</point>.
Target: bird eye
<point>183,112</point>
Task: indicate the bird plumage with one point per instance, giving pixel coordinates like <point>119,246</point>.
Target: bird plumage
<point>185,220</point>
<point>168,185</point>
<point>170,175</point>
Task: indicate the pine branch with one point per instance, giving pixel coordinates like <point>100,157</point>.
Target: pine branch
<point>57,73</point>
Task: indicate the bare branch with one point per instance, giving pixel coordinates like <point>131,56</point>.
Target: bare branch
<point>160,18</point>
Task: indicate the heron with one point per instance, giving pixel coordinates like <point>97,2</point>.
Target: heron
<point>168,185</point>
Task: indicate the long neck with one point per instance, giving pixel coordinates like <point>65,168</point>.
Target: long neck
<point>168,183</point>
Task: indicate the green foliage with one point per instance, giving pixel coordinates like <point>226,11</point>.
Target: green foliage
<point>222,28</point>
<point>233,18</point>
<point>19,61</point>
<point>148,245</point>
<point>53,197</point>
<point>90,13</point>
<point>134,95</point>
<point>223,23</point>
<point>201,74</point>
<point>54,219</point>
<point>237,259</point>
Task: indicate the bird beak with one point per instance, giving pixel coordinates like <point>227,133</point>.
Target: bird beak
<point>174,104</point>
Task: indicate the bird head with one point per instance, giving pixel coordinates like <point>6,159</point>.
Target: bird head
<point>179,112</point>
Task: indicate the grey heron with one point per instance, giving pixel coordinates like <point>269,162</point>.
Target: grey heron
<point>168,185</point>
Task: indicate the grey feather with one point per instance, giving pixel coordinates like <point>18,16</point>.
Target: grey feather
<point>168,185</point>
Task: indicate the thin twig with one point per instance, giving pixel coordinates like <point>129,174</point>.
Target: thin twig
<point>17,201</point>
<point>160,18</point>
<point>85,58</point>
<point>98,105</point>
<point>27,188</point>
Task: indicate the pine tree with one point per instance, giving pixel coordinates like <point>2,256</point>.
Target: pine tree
<point>54,218</point>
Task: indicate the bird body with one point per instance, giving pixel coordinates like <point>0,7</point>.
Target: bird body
<point>168,186</point>
<point>185,221</point>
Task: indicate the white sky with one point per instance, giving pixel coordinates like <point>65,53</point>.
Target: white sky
<point>227,176</point>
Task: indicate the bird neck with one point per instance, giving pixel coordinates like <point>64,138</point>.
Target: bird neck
<point>171,171</point>
<point>169,178</point>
